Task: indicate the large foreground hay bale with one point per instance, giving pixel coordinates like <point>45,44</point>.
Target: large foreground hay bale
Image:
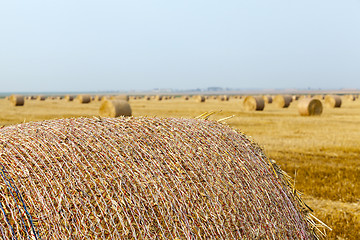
<point>333,101</point>
<point>282,101</point>
<point>17,100</point>
<point>256,103</point>
<point>142,178</point>
<point>310,107</point>
<point>83,98</point>
<point>115,108</point>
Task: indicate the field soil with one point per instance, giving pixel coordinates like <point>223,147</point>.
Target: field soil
<point>321,153</point>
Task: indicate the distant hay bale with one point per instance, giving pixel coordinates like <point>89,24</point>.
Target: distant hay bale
<point>333,101</point>
<point>98,98</point>
<point>349,97</point>
<point>282,101</point>
<point>185,98</point>
<point>69,98</point>
<point>143,178</point>
<point>200,98</point>
<point>223,98</point>
<point>41,98</point>
<point>147,98</point>
<point>17,100</point>
<point>115,108</point>
<point>268,99</point>
<point>120,97</point>
<point>310,107</point>
<point>252,103</point>
<point>319,97</point>
<point>83,98</point>
<point>158,97</point>
<point>295,97</point>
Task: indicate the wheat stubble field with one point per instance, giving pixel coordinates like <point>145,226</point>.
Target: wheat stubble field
<point>321,153</point>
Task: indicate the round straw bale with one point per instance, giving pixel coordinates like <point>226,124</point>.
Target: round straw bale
<point>282,101</point>
<point>17,100</point>
<point>98,97</point>
<point>349,97</point>
<point>69,98</point>
<point>158,97</point>
<point>310,107</point>
<point>200,98</point>
<point>142,178</point>
<point>147,98</point>
<point>319,97</point>
<point>83,98</point>
<point>115,108</point>
<point>223,98</point>
<point>252,103</point>
<point>267,99</point>
<point>333,101</point>
<point>120,97</point>
<point>295,97</point>
<point>41,98</point>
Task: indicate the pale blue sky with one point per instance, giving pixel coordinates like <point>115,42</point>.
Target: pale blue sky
<point>97,45</point>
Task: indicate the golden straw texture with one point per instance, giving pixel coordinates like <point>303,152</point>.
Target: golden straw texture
<point>310,107</point>
<point>115,108</point>
<point>333,101</point>
<point>256,103</point>
<point>282,101</point>
<point>142,178</point>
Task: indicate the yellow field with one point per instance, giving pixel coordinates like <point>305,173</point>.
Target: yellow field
<point>321,153</point>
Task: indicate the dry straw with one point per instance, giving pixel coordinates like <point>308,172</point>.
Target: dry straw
<point>83,98</point>
<point>143,178</point>
<point>252,103</point>
<point>120,97</point>
<point>17,100</point>
<point>333,101</point>
<point>200,98</point>
<point>268,99</point>
<point>310,107</point>
<point>41,98</point>
<point>115,108</point>
<point>282,101</point>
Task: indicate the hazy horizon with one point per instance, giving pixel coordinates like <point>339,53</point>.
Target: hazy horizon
<point>83,46</point>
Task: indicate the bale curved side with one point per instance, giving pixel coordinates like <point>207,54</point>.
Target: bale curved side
<point>17,100</point>
<point>142,178</point>
<point>252,103</point>
<point>310,107</point>
<point>268,99</point>
<point>282,101</point>
<point>200,98</point>
<point>333,101</point>
<point>41,98</point>
<point>115,108</point>
<point>83,98</point>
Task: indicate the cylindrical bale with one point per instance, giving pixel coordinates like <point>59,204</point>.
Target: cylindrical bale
<point>254,103</point>
<point>185,98</point>
<point>319,97</point>
<point>349,97</point>
<point>98,97</point>
<point>69,98</point>
<point>200,98</point>
<point>17,100</point>
<point>333,101</point>
<point>295,97</point>
<point>268,99</point>
<point>83,98</point>
<point>223,98</point>
<point>143,178</point>
<point>147,98</point>
<point>282,101</point>
<point>310,107</point>
<point>115,108</point>
<point>158,97</point>
<point>120,97</point>
<point>41,98</point>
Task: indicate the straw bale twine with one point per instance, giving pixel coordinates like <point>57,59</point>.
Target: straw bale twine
<point>252,103</point>
<point>142,178</point>
<point>268,99</point>
<point>310,107</point>
<point>83,98</point>
<point>282,101</point>
<point>41,98</point>
<point>333,101</point>
<point>115,108</point>
<point>17,100</point>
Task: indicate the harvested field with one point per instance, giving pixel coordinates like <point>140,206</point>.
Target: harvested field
<point>321,154</point>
